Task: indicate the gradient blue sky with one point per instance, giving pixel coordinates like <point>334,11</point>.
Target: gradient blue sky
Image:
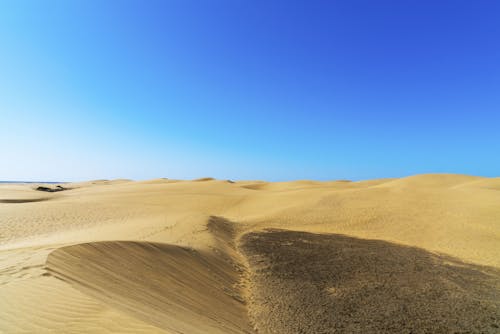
<point>248,89</point>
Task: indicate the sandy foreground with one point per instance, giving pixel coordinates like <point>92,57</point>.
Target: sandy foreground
<point>413,255</point>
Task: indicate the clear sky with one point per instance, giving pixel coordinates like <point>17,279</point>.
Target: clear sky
<point>245,89</point>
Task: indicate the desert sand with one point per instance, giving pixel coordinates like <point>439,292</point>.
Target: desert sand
<point>419,254</point>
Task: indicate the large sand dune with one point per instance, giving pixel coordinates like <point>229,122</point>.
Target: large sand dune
<point>414,255</point>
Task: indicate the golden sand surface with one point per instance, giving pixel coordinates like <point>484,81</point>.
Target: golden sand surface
<point>419,254</point>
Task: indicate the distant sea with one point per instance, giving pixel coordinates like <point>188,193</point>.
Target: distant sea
<point>49,182</point>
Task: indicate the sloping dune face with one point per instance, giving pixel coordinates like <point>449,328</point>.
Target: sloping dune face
<point>321,283</point>
<point>411,255</point>
<point>175,288</point>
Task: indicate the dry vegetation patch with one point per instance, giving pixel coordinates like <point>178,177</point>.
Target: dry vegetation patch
<point>326,283</point>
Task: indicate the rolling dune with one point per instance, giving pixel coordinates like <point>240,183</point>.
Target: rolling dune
<point>412,255</point>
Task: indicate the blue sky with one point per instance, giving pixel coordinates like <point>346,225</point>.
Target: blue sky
<point>240,89</point>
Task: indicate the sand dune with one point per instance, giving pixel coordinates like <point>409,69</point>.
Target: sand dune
<point>175,288</point>
<point>431,181</point>
<point>418,254</point>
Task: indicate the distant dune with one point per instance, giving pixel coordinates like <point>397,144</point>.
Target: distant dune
<point>412,255</point>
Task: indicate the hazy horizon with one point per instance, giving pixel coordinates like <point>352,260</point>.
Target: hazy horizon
<point>236,179</point>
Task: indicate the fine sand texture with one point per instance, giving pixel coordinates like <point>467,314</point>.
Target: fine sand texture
<point>419,254</point>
